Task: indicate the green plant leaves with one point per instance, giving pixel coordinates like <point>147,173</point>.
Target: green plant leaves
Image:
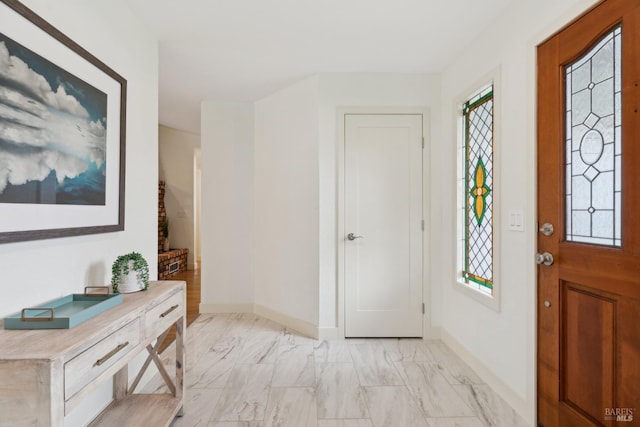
<point>121,266</point>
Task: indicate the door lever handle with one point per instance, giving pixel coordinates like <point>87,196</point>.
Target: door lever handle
<point>352,236</point>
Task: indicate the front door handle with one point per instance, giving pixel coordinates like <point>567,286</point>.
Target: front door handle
<point>352,236</point>
<point>544,258</point>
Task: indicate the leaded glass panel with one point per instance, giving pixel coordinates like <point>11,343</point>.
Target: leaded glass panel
<point>593,187</point>
<point>478,167</point>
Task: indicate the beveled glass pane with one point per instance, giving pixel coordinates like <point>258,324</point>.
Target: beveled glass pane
<point>606,129</point>
<point>577,133</point>
<point>579,200</point>
<point>601,224</point>
<point>606,161</point>
<point>581,103</point>
<point>568,211</point>
<point>602,192</point>
<point>617,219</point>
<point>581,77</point>
<point>602,98</point>
<point>593,145</point>
<point>602,65</point>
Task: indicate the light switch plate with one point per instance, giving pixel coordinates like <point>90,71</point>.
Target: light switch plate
<point>516,222</point>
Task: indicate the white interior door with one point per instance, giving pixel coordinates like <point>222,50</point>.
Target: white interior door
<point>383,212</point>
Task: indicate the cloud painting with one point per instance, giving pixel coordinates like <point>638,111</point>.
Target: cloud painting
<point>52,132</point>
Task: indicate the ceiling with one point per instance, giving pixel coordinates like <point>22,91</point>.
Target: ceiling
<point>244,50</point>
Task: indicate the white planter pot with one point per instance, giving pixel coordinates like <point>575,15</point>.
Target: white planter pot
<point>129,282</point>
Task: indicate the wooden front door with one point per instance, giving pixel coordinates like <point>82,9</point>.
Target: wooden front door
<point>589,191</point>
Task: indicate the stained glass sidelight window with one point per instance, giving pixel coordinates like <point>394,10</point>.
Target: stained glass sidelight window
<point>478,194</point>
<point>593,182</point>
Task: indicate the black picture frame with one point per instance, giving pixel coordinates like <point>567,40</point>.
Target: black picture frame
<point>42,219</point>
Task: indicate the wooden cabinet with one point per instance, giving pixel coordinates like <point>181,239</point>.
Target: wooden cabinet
<point>45,374</point>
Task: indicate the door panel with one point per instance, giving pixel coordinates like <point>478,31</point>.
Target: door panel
<point>589,189</point>
<point>383,205</point>
<point>588,347</point>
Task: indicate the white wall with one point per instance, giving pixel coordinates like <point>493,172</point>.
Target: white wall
<point>293,167</point>
<point>227,206</point>
<point>358,90</point>
<point>294,190</point>
<point>176,157</point>
<point>286,202</point>
<point>34,272</point>
<point>499,343</point>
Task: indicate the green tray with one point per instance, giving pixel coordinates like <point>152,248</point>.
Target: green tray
<point>65,312</point>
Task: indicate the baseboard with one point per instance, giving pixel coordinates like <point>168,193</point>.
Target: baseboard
<point>297,325</point>
<point>226,308</point>
<point>518,403</point>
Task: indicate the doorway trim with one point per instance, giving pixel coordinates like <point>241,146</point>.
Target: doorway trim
<point>341,112</point>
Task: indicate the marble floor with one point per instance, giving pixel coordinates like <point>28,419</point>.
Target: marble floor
<point>246,371</point>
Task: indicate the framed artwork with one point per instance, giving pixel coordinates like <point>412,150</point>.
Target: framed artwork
<point>62,133</point>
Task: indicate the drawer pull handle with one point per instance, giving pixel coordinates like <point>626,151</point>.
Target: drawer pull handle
<point>110,354</point>
<point>166,313</point>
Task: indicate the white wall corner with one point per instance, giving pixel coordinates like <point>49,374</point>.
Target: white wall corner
<point>286,270</point>
<point>305,328</point>
<point>301,326</point>
<point>227,180</point>
<point>432,333</point>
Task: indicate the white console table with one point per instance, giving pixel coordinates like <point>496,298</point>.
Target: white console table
<point>45,374</point>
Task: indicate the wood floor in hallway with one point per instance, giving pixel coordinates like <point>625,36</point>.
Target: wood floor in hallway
<point>192,278</point>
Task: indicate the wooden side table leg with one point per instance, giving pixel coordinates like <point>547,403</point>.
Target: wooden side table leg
<point>121,383</point>
<point>180,360</point>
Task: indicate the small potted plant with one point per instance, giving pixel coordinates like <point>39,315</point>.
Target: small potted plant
<point>130,273</point>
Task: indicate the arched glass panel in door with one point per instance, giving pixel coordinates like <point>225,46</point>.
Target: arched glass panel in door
<point>593,184</point>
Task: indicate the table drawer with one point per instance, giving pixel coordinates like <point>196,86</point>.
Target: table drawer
<point>159,318</point>
<point>85,367</point>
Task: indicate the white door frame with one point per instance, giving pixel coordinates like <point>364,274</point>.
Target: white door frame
<point>426,174</point>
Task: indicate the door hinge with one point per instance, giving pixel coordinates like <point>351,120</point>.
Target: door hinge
<point>423,308</point>
<point>423,142</point>
<point>422,224</point>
